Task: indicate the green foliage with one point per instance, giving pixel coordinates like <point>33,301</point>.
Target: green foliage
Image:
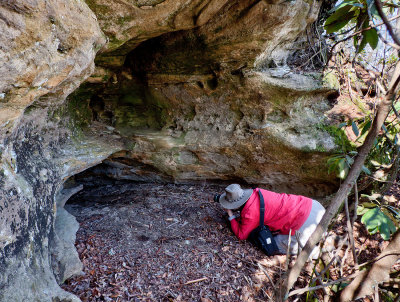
<point>388,296</point>
<point>339,19</point>
<point>340,163</point>
<point>378,217</point>
<point>358,20</point>
<point>340,137</point>
<point>339,287</point>
<point>356,13</point>
<point>383,152</point>
<point>386,145</point>
<point>375,220</point>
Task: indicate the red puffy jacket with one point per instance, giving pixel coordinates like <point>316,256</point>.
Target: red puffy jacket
<point>282,212</point>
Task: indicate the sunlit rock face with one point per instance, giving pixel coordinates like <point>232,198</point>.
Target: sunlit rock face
<point>47,49</point>
<point>216,102</point>
<point>183,91</point>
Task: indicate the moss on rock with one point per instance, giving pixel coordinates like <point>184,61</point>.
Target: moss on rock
<point>331,81</point>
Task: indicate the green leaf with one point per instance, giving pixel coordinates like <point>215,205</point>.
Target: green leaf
<point>339,19</point>
<point>349,160</point>
<point>375,220</point>
<point>361,210</point>
<point>366,170</point>
<point>341,125</point>
<point>366,127</point>
<point>369,205</point>
<point>386,229</point>
<point>372,8</point>
<point>395,211</point>
<point>371,36</point>
<point>344,3</point>
<point>355,128</point>
<point>362,44</point>
<point>376,143</point>
<point>332,166</point>
<point>384,128</point>
<point>336,156</point>
<point>338,13</point>
<point>375,163</point>
<point>372,218</point>
<point>363,17</point>
<point>390,216</point>
<point>343,169</point>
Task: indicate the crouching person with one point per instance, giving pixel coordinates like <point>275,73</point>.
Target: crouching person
<point>283,214</point>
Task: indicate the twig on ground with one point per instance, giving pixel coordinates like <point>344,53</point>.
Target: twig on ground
<point>195,281</point>
<point>265,293</point>
<point>376,294</point>
<point>288,250</point>
<point>377,258</point>
<point>319,277</point>
<point>350,230</point>
<point>307,289</point>
<point>355,204</point>
<point>266,274</point>
<point>344,259</point>
<point>324,270</point>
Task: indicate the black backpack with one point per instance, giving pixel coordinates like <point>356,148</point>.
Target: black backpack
<point>262,236</point>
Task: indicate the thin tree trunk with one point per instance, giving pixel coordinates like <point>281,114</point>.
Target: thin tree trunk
<point>345,188</point>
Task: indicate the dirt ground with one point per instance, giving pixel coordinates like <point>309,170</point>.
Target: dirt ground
<point>154,242</point>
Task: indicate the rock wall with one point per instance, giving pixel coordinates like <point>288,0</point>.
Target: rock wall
<point>215,102</point>
<point>182,91</point>
<point>47,50</point>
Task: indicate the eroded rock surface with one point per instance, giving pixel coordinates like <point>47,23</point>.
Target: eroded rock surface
<point>183,91</point>
<point>47,50</point>
<point>218,101</point>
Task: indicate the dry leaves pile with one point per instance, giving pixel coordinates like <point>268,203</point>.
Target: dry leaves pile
<point>152,242</point>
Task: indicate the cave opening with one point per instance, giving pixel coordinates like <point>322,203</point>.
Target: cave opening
<point>139,237</point>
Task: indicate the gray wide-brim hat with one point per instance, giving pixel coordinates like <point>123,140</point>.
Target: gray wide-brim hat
<point>234,197</point>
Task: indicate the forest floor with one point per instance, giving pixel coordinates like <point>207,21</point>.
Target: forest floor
<point>154,242</point>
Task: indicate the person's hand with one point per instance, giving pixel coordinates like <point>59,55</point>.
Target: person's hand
<point>229,211</point>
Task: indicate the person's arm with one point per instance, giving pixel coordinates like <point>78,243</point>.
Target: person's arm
<point>243,229</point>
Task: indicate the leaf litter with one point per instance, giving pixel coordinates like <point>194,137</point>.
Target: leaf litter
<point>169,242</point>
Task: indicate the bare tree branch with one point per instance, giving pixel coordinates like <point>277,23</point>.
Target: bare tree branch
<point>385,20</point>
<point>359,32</point>
<point>345,188</point>
<point>307,289</point>
<point>395,46</point>
<point>350,230</point>
<point>355,204</point>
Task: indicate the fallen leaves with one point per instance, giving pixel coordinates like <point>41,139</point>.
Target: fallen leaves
<point>171,244</point>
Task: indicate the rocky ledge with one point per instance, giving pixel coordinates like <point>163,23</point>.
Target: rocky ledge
<point>146,90</point>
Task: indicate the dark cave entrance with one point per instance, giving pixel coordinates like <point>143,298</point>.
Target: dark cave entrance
<point>145,240</point>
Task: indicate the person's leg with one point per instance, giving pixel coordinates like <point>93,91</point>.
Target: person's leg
<point>305,231</point>
<point>282,243</point>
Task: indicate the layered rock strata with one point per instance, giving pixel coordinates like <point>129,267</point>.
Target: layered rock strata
<point>183,91</point>
<point>216,102</point>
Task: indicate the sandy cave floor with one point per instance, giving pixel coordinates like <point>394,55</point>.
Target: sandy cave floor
<point>154,242</point>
